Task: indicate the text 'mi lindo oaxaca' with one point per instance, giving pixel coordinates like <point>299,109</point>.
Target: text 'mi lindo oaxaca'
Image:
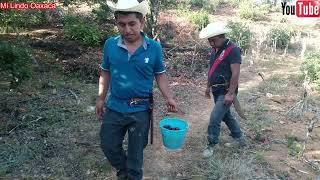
<point>26,6</point>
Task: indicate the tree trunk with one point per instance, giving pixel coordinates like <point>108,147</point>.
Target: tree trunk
<point>152,18</point>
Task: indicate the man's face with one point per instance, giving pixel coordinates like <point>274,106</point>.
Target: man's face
<point>129,26</point>
<point>216,41</point>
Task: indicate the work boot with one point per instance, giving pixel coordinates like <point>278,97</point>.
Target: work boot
<point>237,142</point>
<point>241,141</point>
<point>208,151</point>
<point>122,175</point>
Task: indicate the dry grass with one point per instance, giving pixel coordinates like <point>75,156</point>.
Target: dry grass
<point>227,167</point>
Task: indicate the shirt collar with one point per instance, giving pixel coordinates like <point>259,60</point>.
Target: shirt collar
<point>145,43</point>
<point>226,44</point>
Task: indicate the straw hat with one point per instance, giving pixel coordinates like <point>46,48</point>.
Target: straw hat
<point>213,29</point>
<point>130,5</point>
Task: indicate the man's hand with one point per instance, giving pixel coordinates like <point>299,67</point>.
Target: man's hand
<point>228,99</point>
<point>99,108</point>
<point>207,93</point>
<point>172,105</point>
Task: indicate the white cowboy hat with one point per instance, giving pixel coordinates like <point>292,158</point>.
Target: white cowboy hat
<point>213,29</point>
<point>130,5</point>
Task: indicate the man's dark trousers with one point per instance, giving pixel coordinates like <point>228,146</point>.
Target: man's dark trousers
<point>113,129</point>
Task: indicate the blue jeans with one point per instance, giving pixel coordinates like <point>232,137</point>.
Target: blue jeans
<point>220,113</point>
<point>113,129</point>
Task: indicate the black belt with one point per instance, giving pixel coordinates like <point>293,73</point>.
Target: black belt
<point>218,85</point>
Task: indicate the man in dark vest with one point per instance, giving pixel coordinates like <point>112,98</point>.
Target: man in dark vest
<point>223,78</point>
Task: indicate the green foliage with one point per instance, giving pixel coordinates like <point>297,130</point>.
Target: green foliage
<point>234,3</point>
<point>15,62</point>
<point>112,32</point>
<point>295,148</point>
<point>102,13</point>
<point>312,66</point>
<point>259,120</point>
<point>79,29</point>
<point>212,5</point>
<point>209,6</point>
<point>280,36</point>
<point>167,4</point>
<point>248,11</point>
<point>198,3</point>
<point>240,34</point>
<point>200,19</point>
<point>13,20</point>
<point>259,157</point>
<point>10,21</point>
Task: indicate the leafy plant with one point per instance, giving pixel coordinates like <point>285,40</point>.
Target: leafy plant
<point>11,21</point>
<point>102,13</point>
<point>198,3</point>
<point>280,36</point>
<point>249,11</point>
<point>234,3</point>
<point>167,4</point>
<point>240,34</point>
<point>80,30</point>
<point>200,19</point>
<point>295,148</point>
<point>15,62</point>
<point>312,66</point>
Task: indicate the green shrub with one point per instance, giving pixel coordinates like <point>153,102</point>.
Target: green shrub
<point>15,62</point>
<point>207,5</point>
<point>280,36</point>
<point>70,19</point>
<point>234,3</point>
<point>249,11</point>
<point>79,29</point>
<point>102,13</point>
<point>10,21</point>
<point>312,66</point>
<point>198,3</point>
<point>295,148</point>
<point>200,19</point>
<point>112,32</point>
<point>240,34</point>
<point>212,5</point>
<point>168,4</point>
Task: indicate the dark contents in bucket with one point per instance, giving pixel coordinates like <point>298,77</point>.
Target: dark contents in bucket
<point>171,128</point>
